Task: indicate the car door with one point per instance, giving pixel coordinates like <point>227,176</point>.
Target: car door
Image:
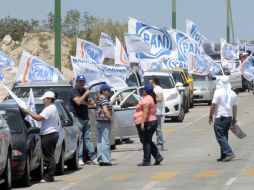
<point>123,119</point>
<point>235,79</point>
<point>3,144</point>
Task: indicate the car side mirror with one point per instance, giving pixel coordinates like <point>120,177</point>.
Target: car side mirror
<point>34,130</point>
<point>179,84</point>
<point>67,123</point>
<point>190,81</point>
<point>227,72</point>
<point>116,107</point>
<point>213,78</point>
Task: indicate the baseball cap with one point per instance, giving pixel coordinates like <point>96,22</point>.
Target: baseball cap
<point>48,94</point>
<point>148,87</point>
<point>80,78</point>
<point>104,87</point>
<point>244,53</point>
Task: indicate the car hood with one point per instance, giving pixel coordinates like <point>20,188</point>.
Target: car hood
<point>200,84</point>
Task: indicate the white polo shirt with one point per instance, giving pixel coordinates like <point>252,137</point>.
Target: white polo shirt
<point>218,99</point>
<point>52,122</point>
<point>159,105</point>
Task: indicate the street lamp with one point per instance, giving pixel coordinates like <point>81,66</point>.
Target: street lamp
<point>57,30</point>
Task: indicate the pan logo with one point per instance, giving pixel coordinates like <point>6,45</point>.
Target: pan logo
<point>93,52</point>
<point>228,52</point>
<point>159,40</point>
<point>195,34</point>
<point>40,71</point>
<point>175,64</point>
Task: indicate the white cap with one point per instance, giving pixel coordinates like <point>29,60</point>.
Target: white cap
<point>48,94</point>
<point>244,53</point>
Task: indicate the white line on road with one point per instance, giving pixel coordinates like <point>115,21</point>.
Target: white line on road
<point>190,123</point>
<point>150,185</point>
<point>68,186</point>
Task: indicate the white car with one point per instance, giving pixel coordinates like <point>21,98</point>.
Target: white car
<point>235,76</point>
<point>174,108</point>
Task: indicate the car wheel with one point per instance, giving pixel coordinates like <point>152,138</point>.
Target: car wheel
<point>113,147</point>
<point>186,109</point>
<point>60,165</point>
<point>7,175</point>
<point>37,174</point>
<point>73,163</point>
<point>25,180</point>
<point>181,115</point>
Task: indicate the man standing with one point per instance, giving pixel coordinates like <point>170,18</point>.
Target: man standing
<point>160,110</point>
<point>79,99</point>
<point>225,110</point>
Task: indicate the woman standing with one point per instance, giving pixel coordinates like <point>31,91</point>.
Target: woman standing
<point>146,123</point>
<point>49,133</point>
<point>104,118</point>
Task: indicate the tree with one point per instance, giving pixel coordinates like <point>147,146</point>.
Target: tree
<point>49,23</point>
<point>72,22</point>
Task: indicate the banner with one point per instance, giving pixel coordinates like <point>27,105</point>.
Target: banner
<point>247,68</point>
<point>228,55</point>
<point>85,49</point>
<point>121,57</point>
<point>201,64</point>
<point>5,61</point>
<point>121,72</point>
<point>249,47</point>
<point>136,44</point>
<point>1,76</point>
<point>185,45</point>
<point>193,32</point>
<point>159,40</point>
<point>33,69</point>
<point>168,64</point>
<point>107,45</point>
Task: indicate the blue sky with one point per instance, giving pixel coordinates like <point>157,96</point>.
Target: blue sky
<point>209,15</point>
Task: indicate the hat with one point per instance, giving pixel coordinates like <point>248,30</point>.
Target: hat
<point>104,87</point>
<point>148,87</point>
<point>80,78</point>
<point>244,53</point>
<point>48,94</point>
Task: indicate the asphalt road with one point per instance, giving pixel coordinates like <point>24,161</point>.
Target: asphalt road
<point>190,160</point>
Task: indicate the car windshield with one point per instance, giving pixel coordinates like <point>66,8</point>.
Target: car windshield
<point>63,92</point>
<point>13,122</point>
<point>166,82</point>
<point>132,80</point>
<point>200,77</point>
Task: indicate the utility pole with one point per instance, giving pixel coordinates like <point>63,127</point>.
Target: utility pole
<point>231,22</point>
<point>57,30</point>
<point>228,21</point>
<point>174,14</point>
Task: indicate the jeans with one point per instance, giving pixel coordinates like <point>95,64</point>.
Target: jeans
<point>48,146</point>
<point>85,140</point>
<point>149,148</point>
<point>160,143</point>
<point>221,128</point>
<point>103,144</point>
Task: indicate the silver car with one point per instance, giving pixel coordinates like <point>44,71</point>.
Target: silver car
<point>204,87</point>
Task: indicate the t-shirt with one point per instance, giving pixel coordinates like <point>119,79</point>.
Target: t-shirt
<point>219,100</point>
<point>99,112</point>
<point>159,105</point>
<point>81,111</point>
<point>140,107</point>
<point>52,122</point>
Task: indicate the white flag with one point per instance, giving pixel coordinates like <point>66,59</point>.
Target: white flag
<point>30,105</point>
<point>193,32</point>
<point>121,57</point>
<point>107,44</point>
<point>228,55</point>
<point>136,44</point>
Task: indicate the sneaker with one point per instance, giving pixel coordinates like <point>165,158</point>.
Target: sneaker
<point>228,158</point>
<point>144,164</point>
<point>81,163</point>
<point>47,179</point>
<point>105,164</point>
<point>95,162</point>
<point>158,161</point>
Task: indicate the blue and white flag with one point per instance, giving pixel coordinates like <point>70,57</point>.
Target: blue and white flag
<point>121,57</point>
<point>168,64</point>
<point>85,49</point>
<point>201,64</point>
<point>193,32</point>
<point>1,77</point>
<point>247,68</point>
<point>136,44</point>
<point>249,47</point>
<point>185,46</point>
<point>32,68</point>
<point>5,61</point>
<point>240,45</point>
<point>229,54</point>
<point>159,40</point>
<point>30,105</point>
<point>107,45</point>
<point>120,71</point>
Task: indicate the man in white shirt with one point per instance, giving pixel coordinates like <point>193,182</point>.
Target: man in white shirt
<point>160,110</point>
<point>224,108</point>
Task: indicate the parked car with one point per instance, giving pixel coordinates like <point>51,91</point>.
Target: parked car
<point>174,104</point>
<point>67,148</point>
<point>5,154</point>
<point>204,87</point>
<point>27,160</point>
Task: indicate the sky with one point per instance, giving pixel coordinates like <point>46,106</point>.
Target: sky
<point>208,15</point>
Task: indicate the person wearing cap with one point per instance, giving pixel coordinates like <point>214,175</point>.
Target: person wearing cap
<point>146,123</point>
<point>104,119</point>
<point>79,100</point>
<point>49,133</point>
<point>245,83</point>
<point>224,109</point>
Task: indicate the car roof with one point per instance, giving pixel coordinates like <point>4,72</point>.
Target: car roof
<point>44,83</point>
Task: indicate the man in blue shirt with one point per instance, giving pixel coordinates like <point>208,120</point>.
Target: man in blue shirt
<point>79,99</point>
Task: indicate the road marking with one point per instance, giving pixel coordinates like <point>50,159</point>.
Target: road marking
<point>168,130</point>
<point>119,177</point>
<point>249,172</point>
<point>150,185</point>
<point>230,181</point>
<point>164,175</point>
<point>207,174</point>
<point>196,120</point>
<point>67,186</point>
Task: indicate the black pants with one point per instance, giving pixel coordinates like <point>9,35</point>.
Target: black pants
<point>146,137</point>
<point>48,146</point>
